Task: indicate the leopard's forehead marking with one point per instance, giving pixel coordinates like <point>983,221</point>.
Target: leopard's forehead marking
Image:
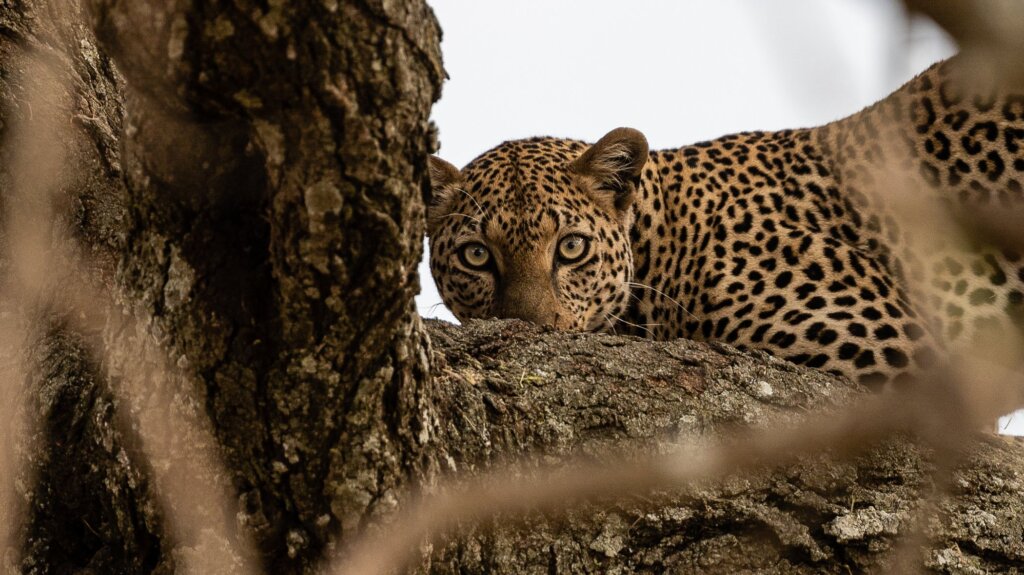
<point>523,190</point>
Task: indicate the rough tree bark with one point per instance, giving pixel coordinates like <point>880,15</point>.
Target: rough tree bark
<point>250,192</point>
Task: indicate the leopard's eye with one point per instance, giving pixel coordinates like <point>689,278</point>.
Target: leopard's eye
<point>572,248</point>
<point>475,255</point>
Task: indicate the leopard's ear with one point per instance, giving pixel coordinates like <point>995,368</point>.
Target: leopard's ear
<point>614,163</point>
<point>444,182</point>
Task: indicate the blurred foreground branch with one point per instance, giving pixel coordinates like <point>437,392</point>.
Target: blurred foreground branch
<point>988,33</point>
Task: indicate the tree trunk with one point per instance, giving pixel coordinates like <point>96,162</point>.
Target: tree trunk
<point>250,193</point>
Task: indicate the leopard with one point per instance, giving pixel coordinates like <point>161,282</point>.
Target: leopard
<point>814,244</point>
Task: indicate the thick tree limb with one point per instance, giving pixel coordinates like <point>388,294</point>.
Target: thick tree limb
<point>549,397</point>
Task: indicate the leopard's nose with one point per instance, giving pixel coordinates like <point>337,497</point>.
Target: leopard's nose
<point>530,302</point>
<point>533,312</point>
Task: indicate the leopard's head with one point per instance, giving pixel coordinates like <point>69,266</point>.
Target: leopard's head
<point>538,230</point>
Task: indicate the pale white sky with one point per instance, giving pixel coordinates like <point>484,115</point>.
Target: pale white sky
<point>680,71</point>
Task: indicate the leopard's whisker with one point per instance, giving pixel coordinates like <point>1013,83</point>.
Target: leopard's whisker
<point>636,325</point>
<point>611,324</point>
<point>467,216</point>
<point>664,295</point>
<point>479,208</point>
